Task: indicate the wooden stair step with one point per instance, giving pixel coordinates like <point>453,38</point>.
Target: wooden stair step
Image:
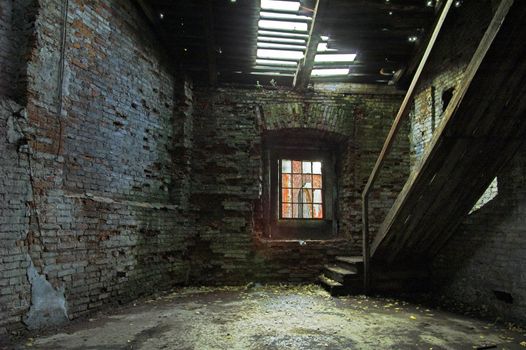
<point>334,288</point>
<point>329,282</point>
<point>350,259</point>
<point>341,274</point>
<point>340,270</point>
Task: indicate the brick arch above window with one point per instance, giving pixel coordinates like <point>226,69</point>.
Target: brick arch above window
<point>333,118</point>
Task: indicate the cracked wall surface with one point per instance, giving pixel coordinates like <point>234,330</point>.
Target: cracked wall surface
<point>90,209</point>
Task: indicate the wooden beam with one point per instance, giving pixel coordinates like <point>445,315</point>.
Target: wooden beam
<point>148,12</point>
<point>476,145</point>
<point>302,76</point>
<point>406,104</point>
<point>210,43</point>
<point>402,113</point>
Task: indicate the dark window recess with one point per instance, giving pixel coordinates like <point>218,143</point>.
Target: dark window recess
<point>447,95</point>
<point>300,191</point>
<point>503,296</point>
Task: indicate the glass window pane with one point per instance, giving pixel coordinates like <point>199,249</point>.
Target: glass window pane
<point>296,166</point>
<point>307,211</point>
<point>286,180</point>
<point>295,211</point>
<point>316,167</point>
<point>307,196</point>
<point>307,181</point>
<point>286,211</point>
<point>286,195</point>
<point>286,166</point>
<point>318,211</point>
<point>297,196</point>
<point>307,168</point>
<point>296,181</point>
<point>316,181</point>
<point>317,196</point>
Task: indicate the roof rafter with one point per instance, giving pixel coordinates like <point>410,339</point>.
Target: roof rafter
<point>302,76</point>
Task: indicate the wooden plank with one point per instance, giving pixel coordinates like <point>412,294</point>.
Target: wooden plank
<point>406,104</point>
<point>450,111</point>
<point>210,43</point>
<point>471,170</point>
<point>303,72</point>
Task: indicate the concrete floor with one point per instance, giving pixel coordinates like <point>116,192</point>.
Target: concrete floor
<point>274,317</point>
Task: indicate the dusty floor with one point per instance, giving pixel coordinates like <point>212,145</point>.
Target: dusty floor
<point>274,317</point>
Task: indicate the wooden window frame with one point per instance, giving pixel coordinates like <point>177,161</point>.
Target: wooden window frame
<point>300,228</point>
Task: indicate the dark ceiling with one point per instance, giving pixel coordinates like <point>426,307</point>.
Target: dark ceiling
<point>215,40</point>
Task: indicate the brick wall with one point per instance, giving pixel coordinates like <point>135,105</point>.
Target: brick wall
<point>228,173</point>
<point>91,202</point>
<point>17,19</point>
<point>15,196</point>
<point>445,69</point>
<point>487,252</point>
<point>6,14</point>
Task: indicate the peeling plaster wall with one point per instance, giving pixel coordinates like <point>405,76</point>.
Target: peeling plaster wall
<point>90,202</point>
<point>228,174</point>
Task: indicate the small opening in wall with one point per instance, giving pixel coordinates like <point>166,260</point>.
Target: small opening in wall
<point>503,296</point>
<point>447,95</point>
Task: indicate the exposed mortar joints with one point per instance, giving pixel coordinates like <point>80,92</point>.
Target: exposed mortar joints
<point>61,73</point>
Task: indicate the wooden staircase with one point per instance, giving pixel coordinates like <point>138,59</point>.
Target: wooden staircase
<point>344,276</point>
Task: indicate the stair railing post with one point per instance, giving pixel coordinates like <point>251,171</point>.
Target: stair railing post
<point>366,250</point>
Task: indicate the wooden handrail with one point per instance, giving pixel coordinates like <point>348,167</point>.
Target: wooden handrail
<point>402,113</point>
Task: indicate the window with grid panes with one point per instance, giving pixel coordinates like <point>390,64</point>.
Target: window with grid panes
<point>301,189</point>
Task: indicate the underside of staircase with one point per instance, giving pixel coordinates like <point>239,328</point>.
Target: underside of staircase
<point>482,129</point>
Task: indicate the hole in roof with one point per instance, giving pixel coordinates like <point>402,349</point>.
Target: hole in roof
<point>335,57</point>
<point>281,40</point>
<point>281,46</point>
<point>283,25</point>
<point>289,6</point>
<point>324,47</point>
<point>275,15</point>
<point>330,72</point>
<point>281,34</point>
<point>276,63</point>
<point>279,54</point>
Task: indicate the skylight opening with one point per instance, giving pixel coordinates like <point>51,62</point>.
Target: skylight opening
<point>281,40</point>
<point>281,46</point>
<point>279,54</point>
<point>337,57</point>
<point>275,15</point>
<point>276,63</point>
<point>333,72</point>
<point>324,47</point>
<point>276,5</point>
<point>283,35</point>
<point>283,25</point>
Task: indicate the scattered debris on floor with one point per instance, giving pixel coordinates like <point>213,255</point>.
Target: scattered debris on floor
<point>276,317</point>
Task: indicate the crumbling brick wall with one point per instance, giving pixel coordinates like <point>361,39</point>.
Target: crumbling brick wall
<point>89,206</point>
<point>229,124</point>
<point>483,265</point>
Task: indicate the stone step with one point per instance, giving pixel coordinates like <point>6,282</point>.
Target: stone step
<point>341,274</point>
<point>333,287</point>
